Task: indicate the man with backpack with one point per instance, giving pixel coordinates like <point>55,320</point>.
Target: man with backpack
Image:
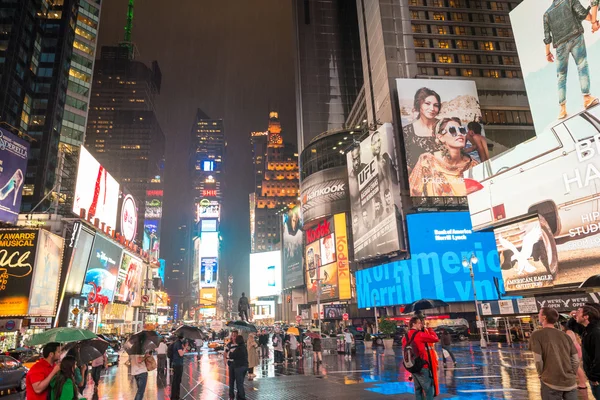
<point>243,306</point>
<point>418,360</point>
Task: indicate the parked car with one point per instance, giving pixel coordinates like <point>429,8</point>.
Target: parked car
<point>21,354</point>
<point>112,357</point>
<point>457,332</point>
<point>357,332</point>
<point>12,373</point>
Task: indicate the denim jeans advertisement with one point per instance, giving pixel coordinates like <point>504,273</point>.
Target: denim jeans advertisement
<point>13,165</point>
<point>438,244</point>
<point>559,52</point>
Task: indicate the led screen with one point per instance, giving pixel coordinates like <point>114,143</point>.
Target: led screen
<point>103,268</point>
<point>265,274</point>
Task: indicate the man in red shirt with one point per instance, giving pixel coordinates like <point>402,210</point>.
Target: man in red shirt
<point>42,372</point>
<point>420,338</point>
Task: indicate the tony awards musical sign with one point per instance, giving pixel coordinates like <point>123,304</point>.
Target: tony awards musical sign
<point>17,257</point>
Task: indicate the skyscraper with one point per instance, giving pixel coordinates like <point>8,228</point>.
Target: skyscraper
<point>123,132</point>
<point>328,65</point>
<point>46,63</point>
<point>279,188</point>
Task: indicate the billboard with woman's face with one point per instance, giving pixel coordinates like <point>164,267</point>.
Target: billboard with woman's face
<point>443,135</point>
<point>292,249</point>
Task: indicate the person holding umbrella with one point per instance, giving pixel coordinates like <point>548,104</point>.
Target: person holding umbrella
<point>41,374</point>
<point>140,372</point>
<point>63,386</point>
<point>239,356</point>
<point>177,364</point>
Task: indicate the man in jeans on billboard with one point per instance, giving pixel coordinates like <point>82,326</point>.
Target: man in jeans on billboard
<point>563,30</point>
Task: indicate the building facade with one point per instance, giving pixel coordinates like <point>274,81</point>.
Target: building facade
<point>328,65</point>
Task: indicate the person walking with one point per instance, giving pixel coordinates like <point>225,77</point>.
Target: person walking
<point>446,340</point>
<point>243,307</point>
<point>293,347</point>
<point>417,340</point>
<point>581,379</point>
<point>239,355</point>
<point>278,348</point>
<point>589,318</point>
<point>317,350</point>
<point>41,373</point>
<point>140,373</point>
<point>263,341</point>
<point>252,348</point>
<point>63,385</point>
<point>348,340</point>
<point>98,365</point>
<point>177,365</point>
<point>556,359</point>
<point>161,356</point>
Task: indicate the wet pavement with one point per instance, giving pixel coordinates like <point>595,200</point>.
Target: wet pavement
<point>498,372</point>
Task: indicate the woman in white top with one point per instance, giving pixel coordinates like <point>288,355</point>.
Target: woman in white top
<point>161,355</point>
<point>140,373</point>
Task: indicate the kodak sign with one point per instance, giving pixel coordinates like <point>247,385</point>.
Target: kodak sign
<point>341,244</point>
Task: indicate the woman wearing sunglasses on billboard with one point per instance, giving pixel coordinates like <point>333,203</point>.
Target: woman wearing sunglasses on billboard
<point>441,173</point>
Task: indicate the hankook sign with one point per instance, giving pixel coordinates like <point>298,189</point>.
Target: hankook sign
<point>324,193</point>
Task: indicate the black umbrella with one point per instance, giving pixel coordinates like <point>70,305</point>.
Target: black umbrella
<point>142,342</point>
<point>189,332</point>
<point>88,349</point>
<point>424,304</point>
<point>242,326</point>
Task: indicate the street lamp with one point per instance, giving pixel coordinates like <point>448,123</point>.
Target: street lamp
<point>375,308</point>
<point>469,264</point>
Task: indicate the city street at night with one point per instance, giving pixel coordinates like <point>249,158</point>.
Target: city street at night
<point>499,372</point>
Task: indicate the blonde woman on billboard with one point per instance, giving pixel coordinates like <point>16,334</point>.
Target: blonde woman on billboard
<point>441,173</point>
<point>419,136</point>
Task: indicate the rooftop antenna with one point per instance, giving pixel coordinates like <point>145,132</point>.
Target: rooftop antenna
<point>128,28</point>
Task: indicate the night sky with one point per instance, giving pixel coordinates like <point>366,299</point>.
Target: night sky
<point>234,60</point>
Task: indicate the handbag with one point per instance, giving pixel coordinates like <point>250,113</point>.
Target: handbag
<point>150,362</point>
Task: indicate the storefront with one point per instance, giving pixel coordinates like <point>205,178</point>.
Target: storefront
<point>10,333</point>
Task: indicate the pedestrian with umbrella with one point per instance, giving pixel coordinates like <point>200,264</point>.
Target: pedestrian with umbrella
<point>63,386</point>
<point>317,346</point>
<point>176,353</point>
<point>98,364</point>
<point>139,347</point>
<point>41,374</point>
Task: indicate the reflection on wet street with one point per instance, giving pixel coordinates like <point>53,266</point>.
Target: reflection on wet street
<point>498,372</point>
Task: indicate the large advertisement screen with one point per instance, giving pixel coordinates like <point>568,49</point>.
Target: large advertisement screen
<point>374,195</point>
<point>81,241</point>
<point>438,244</point>
<point>152,237</point>
<point>292,249</point>
<point>96,190</point>
<point>129,281</point>
<point>209,268</point>
<point>554,176</point>
<point>46,275</point>
<point>13,166</point>
<point>208,297</point>
<point>19,248</point>
<point>154,200</point>
<point>326,255</point>
<point>324,193</point>
<point>265,274</point>
<point>207,209</point>
<point>103,268</point>
<point>435,118</point>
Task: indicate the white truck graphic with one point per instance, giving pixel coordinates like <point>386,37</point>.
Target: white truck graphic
<point>555,176</point>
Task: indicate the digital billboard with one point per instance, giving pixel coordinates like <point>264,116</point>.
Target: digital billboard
<point>80,242</point>
<point>375,195</point>
<point>208,297</point>
<point>293,274</point>
<point>129,218</point>
<point>435,115</point>
<point>154,199</point>
<point>334,311</point>
<point>207,209</point>
<point>129,281</point>
<point>96,190</point>
<point>13,166</point>
<point>18,247</point>
<point>103,268</point>
<point>326,255</point>
<point>265,274</point>
<point>209,268</point>
<point>152,232</point>
<point>46,275</point>
<point>324,193</point>
<point>208,165</point>
<point>438,244</point>
<point>208,225</point>
<point>554,176</point>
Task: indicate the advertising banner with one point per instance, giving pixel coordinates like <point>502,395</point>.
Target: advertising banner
<point>326,256</point>
<point>324,193</point>
<point>154,199</point>
<point>554,175</point>
<point>13,166</point>
<point>129,281</point>
<point>438,244</point>
<point>567,302</point>
<point>207,209</point>
<point>334,311</point>
<point>265,274</point>
<point>208,297</point>
<point>103,268</point>
<point>46,275</point>
<point>152,231</point>
<point>18,251</point>
<point>129,218</point>
<point>209,269</point>
<point>96,190</point>
<point>435,117</point>
<point>80,242</point>
<point>293,274</point>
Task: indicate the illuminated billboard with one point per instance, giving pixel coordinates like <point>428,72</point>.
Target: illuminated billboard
<point>129,281</point>
<point>103,268</point>
<point>154,200</point>
<point>208,225</point>
<point>208,165</point>
<point>324,193</point>
<point>209,268</point>
<point>208,297</point>
<point>375,195</point>
<point>326,255</point>
<point>207,209</point>
<point>265,274</point>
<point>96,190</point>
<point>13,166</point>
<point>80,242</point>
<point>293,274</point>
<point>129,218</point>
<point>46,275</point>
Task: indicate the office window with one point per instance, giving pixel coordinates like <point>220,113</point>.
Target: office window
<point>446,59</point>
<point>513,74</point>
<point>436,3</point>
<point>465,58</point>
<point>483,31</point>
<point>508,60</point>
<point>486,46</point>
<point>491,73</point>
<point>466,72</point>
<point>458,17</point>
<point>442,30</point>
<point>460,30</point>
<point>444,44</point>
<point>500,19</point>
<point>422,57</point>
<point>496,5</point>
<point>464,44</point>
<point>503,32</point>
<point>439,16</point>
<point>419,42</point>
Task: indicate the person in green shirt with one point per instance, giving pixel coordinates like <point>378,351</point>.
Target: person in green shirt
<point>62,386</point>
